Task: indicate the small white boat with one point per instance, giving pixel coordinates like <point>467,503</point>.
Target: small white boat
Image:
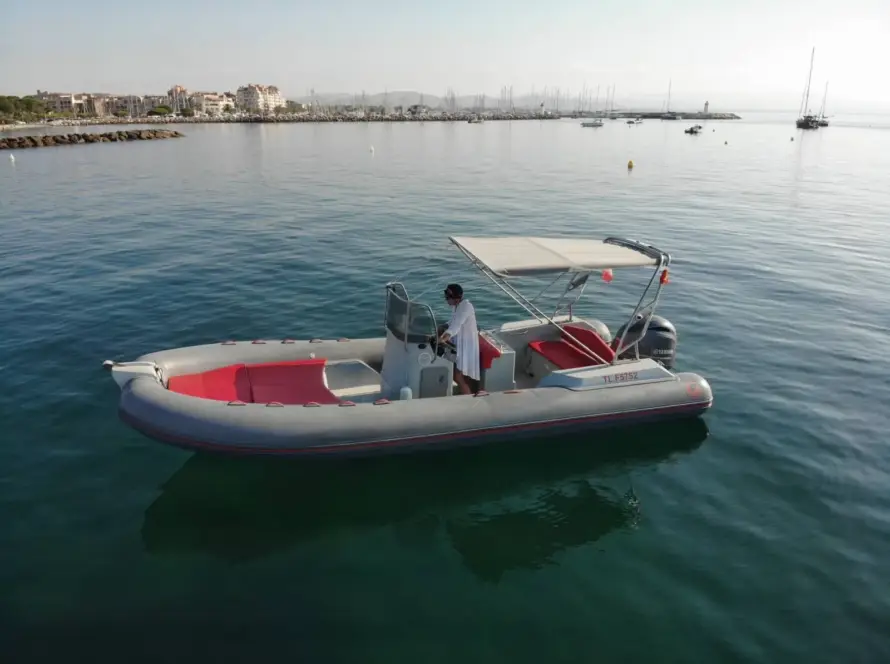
<point>552,373</point>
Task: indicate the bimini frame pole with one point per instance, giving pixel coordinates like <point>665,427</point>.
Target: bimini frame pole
<point>511,292</point>
<point>524,302</point>
<point>664,260</point>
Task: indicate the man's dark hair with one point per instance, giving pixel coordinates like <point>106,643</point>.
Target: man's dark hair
<point>454,291</point>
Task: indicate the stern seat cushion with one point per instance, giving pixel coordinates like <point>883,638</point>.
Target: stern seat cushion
<point>565,354</point>
<point>297,382</point>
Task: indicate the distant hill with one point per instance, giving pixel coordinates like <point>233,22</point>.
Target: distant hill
<point>408,98</point>
<point>684,101</point>
<point>396,98</point>
<point>405,98</point>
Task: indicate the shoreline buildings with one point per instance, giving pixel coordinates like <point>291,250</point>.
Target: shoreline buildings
<point>251,97</point>
<point>262,98</point>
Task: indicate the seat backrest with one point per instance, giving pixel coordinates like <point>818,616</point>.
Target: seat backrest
<point>488,352</point>
<point>591,340</point>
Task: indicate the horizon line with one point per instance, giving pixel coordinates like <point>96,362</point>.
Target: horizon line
<point>547,94</point>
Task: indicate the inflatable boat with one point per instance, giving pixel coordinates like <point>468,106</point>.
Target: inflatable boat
<point>551,373</point>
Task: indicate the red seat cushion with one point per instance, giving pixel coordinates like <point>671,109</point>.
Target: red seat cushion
<point>224,384</point>
<point>561,353</point>
<point>297,382</point>
<point>565,354</point>
<point>592,340</point>
<point>488,353</point>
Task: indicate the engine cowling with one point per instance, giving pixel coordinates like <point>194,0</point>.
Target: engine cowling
<point>659,343</point>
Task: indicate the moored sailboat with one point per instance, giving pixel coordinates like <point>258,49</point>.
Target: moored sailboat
<point>823,122</point>
<point>668,115</point>
<point>807,120</point>
<point>596,122</point>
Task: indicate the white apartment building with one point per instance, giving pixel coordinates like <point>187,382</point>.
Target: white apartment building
<point>211,103</point>
<point>254,97</point>
<point>66,102</point>
<point>153,101</point>
<point>77,103</point>
<point>215,104</point>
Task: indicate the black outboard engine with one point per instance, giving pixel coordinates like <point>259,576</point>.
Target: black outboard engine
<point>659,343</point>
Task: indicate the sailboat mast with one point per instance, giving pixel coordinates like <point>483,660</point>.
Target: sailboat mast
<point>824,97</point>
<point>806,98</point>
<point>670,83</point>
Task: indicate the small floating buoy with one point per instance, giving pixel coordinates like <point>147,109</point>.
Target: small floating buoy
<point>12,158</point>
<point>725,142</point>
<point>792,139</point>
<point>371,150</point>
<point>630,164</point>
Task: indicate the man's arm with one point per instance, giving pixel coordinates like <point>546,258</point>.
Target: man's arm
<point>460,316</point>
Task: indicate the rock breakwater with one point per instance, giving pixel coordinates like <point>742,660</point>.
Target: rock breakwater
<point>49,140</point>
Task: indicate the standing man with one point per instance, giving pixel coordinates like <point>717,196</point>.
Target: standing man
<point>462,329</point>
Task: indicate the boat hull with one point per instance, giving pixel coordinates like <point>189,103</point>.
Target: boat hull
<point>380,427</point>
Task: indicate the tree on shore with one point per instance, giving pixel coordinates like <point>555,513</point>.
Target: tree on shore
<point>21,108</point>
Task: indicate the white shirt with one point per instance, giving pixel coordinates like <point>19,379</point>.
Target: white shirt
<point>465,336</point>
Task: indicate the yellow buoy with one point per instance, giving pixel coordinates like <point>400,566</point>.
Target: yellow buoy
<point>630,164</point>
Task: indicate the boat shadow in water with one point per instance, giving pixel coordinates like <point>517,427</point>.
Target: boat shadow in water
<point>506,506</point>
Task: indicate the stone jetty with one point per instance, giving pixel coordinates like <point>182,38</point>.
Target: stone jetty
<point>49,140</point>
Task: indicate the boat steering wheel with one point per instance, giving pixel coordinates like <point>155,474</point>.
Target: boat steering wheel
<point>438,348</point>
<point>435,347</point>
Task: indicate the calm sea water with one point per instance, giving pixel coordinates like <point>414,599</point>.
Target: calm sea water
<point>759,534</point>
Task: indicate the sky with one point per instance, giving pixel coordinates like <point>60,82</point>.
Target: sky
<point>745,55</point>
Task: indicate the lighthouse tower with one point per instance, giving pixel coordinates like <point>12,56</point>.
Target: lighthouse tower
<point>706,107</point>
